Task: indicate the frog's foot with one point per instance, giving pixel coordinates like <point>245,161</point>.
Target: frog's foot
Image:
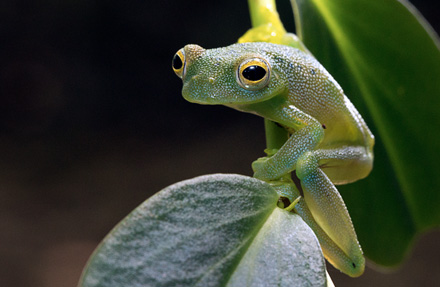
<point>262,165</point>
<point>263,169</point>
<point>270,151</point>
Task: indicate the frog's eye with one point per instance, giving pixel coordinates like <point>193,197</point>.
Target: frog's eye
<point>253,74</point>
<point>179,63</point>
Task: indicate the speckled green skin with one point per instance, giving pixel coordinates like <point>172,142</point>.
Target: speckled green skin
<point>329,142</point>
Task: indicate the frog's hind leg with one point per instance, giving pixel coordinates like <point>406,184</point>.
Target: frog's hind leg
<point>352,266</point>
<point>346,164</point>
<point>325,202</point>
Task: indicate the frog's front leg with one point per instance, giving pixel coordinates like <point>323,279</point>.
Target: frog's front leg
<point>284,161</point>
<point>308,133</point>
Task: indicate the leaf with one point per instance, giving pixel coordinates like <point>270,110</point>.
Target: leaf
<point>283,254</point>
<point>213,230</point>
<point>387,59</point>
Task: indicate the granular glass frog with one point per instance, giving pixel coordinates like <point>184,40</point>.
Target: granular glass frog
<point>329,142</point>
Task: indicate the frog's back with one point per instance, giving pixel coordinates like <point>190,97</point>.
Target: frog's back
<point>313,90</point>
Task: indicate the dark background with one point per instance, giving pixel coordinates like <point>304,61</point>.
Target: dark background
<point>92,123</point>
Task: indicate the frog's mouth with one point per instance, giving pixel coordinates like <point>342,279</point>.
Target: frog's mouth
<point>201,89</point>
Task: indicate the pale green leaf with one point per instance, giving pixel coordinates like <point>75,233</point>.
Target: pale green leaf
<point>213,230</point>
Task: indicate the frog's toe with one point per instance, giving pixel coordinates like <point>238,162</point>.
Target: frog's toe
<point>263,169</point>
<point>258,168</point>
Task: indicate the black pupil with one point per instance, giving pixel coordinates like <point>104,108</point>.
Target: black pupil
<point>177,62</point>
<point>254,73</point>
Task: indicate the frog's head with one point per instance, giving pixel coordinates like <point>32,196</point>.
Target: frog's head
<point>234,75</point>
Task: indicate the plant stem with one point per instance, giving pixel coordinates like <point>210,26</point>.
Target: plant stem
<point>276,135</point>
<point>261,10</point>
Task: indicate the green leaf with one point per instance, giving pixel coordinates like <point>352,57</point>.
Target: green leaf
<point>387,59</point>
<point>215,230</point>
<point>284,253</point>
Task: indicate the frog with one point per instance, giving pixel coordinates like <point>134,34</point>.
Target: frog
<point>329,142</point>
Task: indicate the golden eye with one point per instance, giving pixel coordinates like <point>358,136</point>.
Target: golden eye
<point>253,74</point>
<point>179,63</point>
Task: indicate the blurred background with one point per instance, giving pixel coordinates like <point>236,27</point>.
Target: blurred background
<point>92,123</point>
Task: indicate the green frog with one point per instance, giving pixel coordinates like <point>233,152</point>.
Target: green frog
<point>329,142</point>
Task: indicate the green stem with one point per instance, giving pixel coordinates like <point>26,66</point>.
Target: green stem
<point>260,10</point>
<point>276,135</point>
